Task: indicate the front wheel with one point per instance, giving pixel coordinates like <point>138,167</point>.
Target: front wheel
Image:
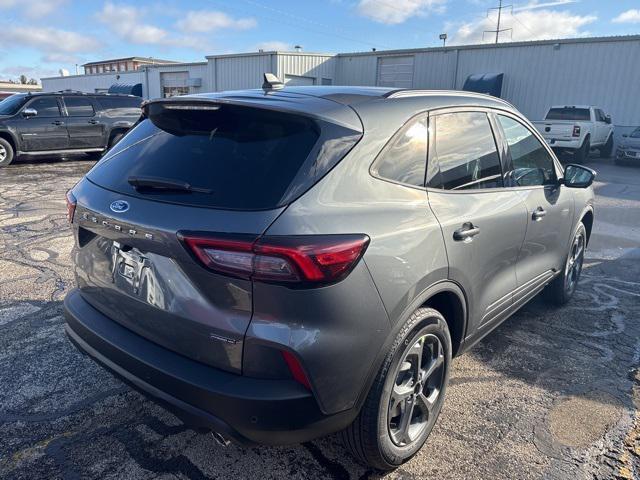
<point>607,148</point>
<point>406,398</point>
<point>6,153</point>
<point>564,285</point>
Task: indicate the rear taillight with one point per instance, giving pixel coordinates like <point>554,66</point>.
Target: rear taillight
<point>71,206</point>
<point>296,370</point>
<point>576,130</point>
<point>318,259</point>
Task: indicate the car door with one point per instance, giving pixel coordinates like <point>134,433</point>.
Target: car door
<point>85,128</point>
<point>45,130</point>
<point>532,172</point>
<point>482,222</point>
<point>602,127</point>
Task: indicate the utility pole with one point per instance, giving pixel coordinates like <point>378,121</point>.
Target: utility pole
<point>498,30</point>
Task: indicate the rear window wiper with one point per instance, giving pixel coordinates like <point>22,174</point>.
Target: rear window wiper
<point>159,183</point>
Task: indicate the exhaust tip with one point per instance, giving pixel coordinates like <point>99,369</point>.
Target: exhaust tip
<point>218,437</point>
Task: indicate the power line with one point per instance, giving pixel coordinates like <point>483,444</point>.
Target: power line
<point>498,30</point>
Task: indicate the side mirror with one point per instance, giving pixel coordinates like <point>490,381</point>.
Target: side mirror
<point>578,176</point>
<point>607,119</point>
<point>29,112</point>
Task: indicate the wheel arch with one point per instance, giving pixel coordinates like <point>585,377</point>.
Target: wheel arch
<point>587,219</point>
<point>9,138</point>
<point>445,296</point>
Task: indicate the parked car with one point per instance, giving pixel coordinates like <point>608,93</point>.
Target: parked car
<point>629,149</point>
<point>577,130</point>
<point>63,123</point>
<point>4,95</point>
<point>281,265</point>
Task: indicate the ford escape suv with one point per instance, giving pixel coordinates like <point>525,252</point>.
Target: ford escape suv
<point>277,265</point>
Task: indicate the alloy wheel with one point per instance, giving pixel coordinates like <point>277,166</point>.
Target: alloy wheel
<point>3,153</point>
<point>574,263</point>
<point>417,388</point>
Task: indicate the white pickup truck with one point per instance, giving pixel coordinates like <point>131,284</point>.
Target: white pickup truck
<point>577,129</point>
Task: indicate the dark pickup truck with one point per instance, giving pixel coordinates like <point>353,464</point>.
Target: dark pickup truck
<point>64,123</point>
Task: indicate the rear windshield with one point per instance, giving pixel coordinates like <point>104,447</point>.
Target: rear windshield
<point>236,157</point>
<point>569,113</point>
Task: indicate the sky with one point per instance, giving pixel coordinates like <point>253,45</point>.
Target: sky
<point>39,37</point>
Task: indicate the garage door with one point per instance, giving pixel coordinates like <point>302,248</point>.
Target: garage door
<point>296,80</point>
<point>395,71</point>
<point>174,83</point>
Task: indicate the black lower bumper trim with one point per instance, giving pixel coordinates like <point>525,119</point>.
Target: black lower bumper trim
<point>247,410</point>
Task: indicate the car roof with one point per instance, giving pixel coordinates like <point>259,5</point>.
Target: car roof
<point>73,93</point>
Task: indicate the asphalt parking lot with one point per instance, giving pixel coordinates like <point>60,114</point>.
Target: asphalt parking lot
<point>552,393</point>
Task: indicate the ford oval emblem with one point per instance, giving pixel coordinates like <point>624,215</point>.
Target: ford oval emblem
<point>119,206</point>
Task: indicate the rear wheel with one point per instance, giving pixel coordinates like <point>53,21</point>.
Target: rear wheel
<point>6,153</point>
<point>564,286</point>
<point>407,395</point>
<point>605,151</point>
<point>582,153</point>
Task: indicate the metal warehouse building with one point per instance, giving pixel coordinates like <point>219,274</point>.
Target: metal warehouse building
<point>599,71</point>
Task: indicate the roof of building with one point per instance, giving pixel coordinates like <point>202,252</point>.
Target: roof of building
<point>131,59</point>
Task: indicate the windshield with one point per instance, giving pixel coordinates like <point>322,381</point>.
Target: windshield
<point>569,113</point>
<point>635,133</point>
<point>11,105</point>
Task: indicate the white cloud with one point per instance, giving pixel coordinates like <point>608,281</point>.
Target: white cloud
<point>33,8</point>
<point>393,12</point>
<point>128,23</point>
<point>630,16</point>
<point>274,45</point>
<point>48,40</point>
<point>534,4</point>
<point>526,25</point>
<point>209,20</point>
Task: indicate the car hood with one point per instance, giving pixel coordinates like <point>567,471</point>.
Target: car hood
<point>633,143</point>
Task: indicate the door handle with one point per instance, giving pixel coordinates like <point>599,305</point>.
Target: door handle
<point>466,232</point>
<point>57,122</point>
<point>93,122</point>
<point>538,214</point>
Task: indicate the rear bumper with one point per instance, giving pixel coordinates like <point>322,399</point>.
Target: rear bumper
<point>246,410</point>
<point>569,144</point>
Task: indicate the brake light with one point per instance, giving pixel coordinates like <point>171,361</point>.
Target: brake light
<point>303,259</point>
<point>71,206</point>
<point>576,130</point>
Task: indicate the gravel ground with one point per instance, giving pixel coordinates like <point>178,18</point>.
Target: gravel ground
<point>549,394</point>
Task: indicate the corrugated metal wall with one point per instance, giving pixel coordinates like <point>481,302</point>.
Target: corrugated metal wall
<point>89,83</point>
<point>306,65</point>
<point>537,75</point>
<point>238,72</point>
<point>195,70</point>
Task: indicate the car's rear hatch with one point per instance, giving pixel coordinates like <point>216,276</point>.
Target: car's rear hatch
<point>217,165</point>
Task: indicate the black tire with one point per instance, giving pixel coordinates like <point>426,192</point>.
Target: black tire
<point>377,435</point>
<point>582,153</point>
<point>7,154</point>
<point>607,149</point>
<point>564,285</point>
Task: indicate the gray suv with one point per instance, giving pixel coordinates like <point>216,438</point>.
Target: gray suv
<point>279,265</point>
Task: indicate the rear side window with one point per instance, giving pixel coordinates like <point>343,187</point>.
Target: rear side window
<point>532,164</point>
<point>465,152</point>
<point>404,159</point>
<point>569,113</point>
<point>79,107</point>
<point>107,102</point>
<point>244,158</point>
<point>45,106</point>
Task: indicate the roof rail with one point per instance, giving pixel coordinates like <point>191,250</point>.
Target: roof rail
<point>68,90</point>
<point>460,93</point>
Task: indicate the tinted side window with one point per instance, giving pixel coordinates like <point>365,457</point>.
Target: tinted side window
<point>532,164</point>
<point>404,158</point>
<point>45,106</point>
<point>466,152</point>
<point>79,107</point>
